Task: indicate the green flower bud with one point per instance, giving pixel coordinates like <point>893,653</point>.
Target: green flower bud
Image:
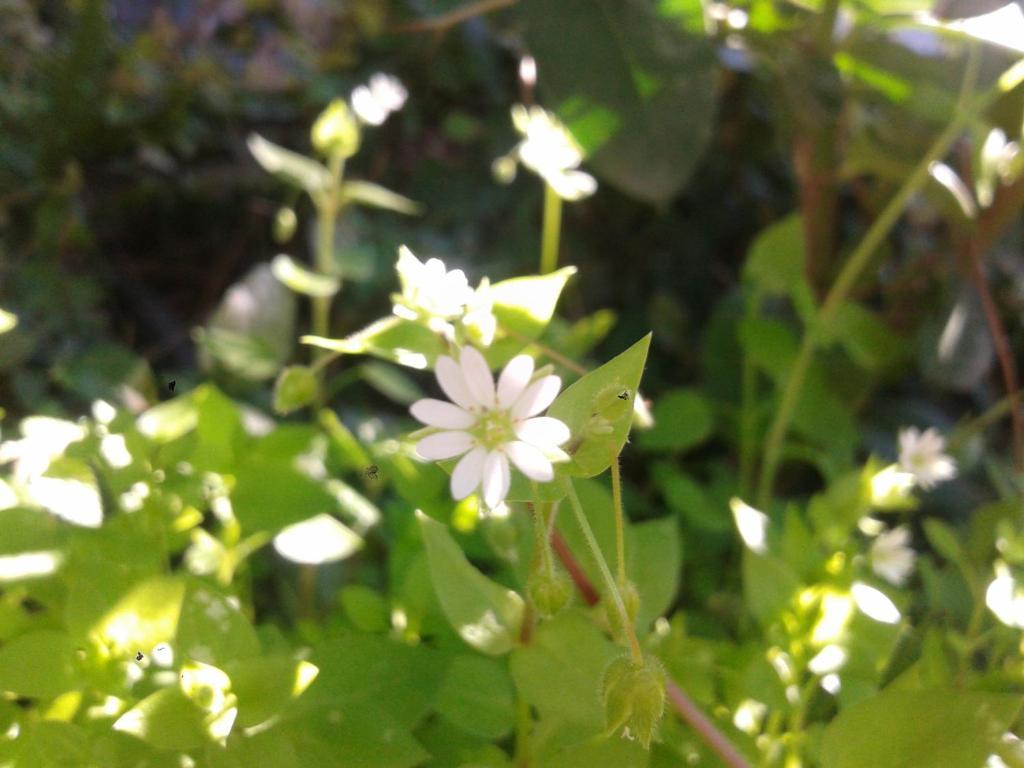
<point>336,130</point>
<point>630,599</point>
<point>285,223</point>
<point>296,387</point>
<point>634,698</point>
<point>502,535</point>
<point>549,593</point>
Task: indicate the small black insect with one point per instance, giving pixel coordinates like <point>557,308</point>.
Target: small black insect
<point>171,385</point>
<point>372,471</point>
<point>138,655</point>
<point>623,395</point>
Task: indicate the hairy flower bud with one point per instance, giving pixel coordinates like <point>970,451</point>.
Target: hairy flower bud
<point>631,601</point>
<point>549,592</point>
<point>634,697</point>
<point>336,130</point>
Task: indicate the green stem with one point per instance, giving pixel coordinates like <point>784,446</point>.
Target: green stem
<point>606,574</point>
<point>852,269</point>
<point>964,432</point>
<point>620,523</point>
<point>327,209</point>
<point>748,411</point>
<point>552,230</point>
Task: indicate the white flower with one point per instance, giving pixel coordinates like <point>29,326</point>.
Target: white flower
<point>374,101</point>
<point>491,424</point>
<point>479,320</point>
<point>921,455</point>
<point>549,150</point>
<point>429,289</point>
<point>892,558</point>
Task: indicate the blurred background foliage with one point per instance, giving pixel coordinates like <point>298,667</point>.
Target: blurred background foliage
<point>741,150</point>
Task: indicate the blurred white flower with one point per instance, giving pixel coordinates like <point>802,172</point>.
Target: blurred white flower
<point>892,558</point>
<point>892,489</point>
<point>479,320</point>
<point>549,150</point>
<point>491,424</point>
<point>381,96</point>
<point>921,454</point>
<point>1005,597</point>
<point>429,290</point>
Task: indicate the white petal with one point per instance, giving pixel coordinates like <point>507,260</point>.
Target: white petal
<point>478,377</point>
<point>466,476</point>
<point>449,376</point>
<point>571,185</point>
<point>513,380</point>
<point>543,431</point>
<point>537,397</point>
<point>496,479</point>
<point>444,445</point>
<point>438,413</point>
<point>530,461</point>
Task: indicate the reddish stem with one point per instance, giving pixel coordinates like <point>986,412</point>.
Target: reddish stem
<point>576,573</point>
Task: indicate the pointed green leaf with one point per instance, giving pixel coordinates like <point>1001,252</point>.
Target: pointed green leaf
<point>597,413</point>
<point>527,304</point>
<point>167,719</point>
<point>485,614</point>
<point>302,280</point>
<point>290,167</point>
<point>401,341</point>
<point>376,196</point>
<point>145,617</point>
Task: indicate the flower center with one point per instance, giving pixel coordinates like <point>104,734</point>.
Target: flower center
<point>493,429</point>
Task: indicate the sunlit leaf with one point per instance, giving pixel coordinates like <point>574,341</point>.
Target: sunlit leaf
<point>302,280</point>
<point>597,414</point>
<point>376,196</point>
<point>485,614</point>
<point>38,664</point>
<point>290,167</point>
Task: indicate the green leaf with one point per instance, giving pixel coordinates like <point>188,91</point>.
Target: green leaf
<point>527,304</point>
<point>775,263</point>
<point>354,739</point>
<point>593,404</point>
<point>290,167</point>
<point>682,420</point>
<point>302,280</point>
<point>212,629</point>
<point>945,541</point>
<point>485,614</point>
<point>167,719</point>
<point>376,675</point>
<point>560,671</point>
<point>376,196</point>
<point>365,608</point>
<point>654,561</point>
<point>145,617</point>
<point>266,685</point>
<point>170,420</point>
<point>769,585</point>
<point>295,388</point>
<point>269,494</point>
<point>391,382</point>
<point>38,664</point>
<point>401,341</point>
<point>643,111</point>
<point>477,695</point>
<point>900,729</point>
<point>867,340</point>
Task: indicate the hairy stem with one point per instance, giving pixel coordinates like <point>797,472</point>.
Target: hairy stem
<point>606,574</point>
<point>690,714</point>
<point>552,230</point>
<point>620,522</point>
<point>852,270</point>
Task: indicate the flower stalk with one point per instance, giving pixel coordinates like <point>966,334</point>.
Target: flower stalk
<point>606,574</point>
<point>552,230</point>
<point>851,271</point>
